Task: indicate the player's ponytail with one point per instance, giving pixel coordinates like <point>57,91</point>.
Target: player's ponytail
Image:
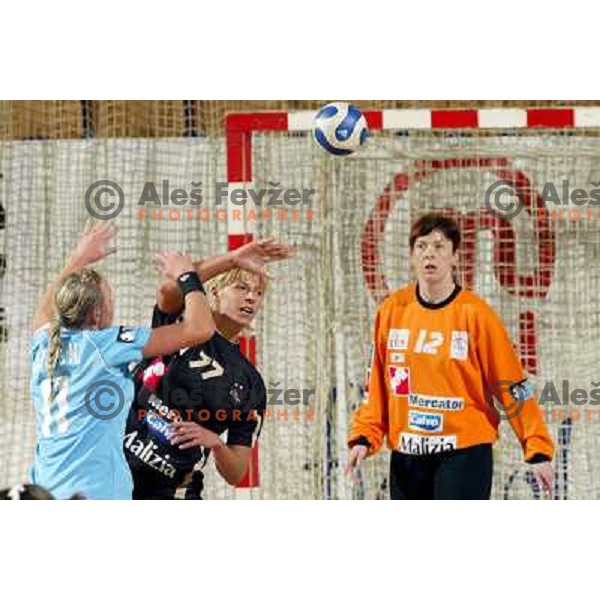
<point>78,294</point>
<point>53,352</point>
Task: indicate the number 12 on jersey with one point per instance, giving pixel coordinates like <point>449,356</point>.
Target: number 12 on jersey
<point>428,342</point>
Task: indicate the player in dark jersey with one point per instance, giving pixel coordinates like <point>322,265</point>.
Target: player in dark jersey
<point>184,402</point>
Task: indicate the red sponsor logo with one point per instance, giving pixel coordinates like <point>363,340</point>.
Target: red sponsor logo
<point>399,380</point>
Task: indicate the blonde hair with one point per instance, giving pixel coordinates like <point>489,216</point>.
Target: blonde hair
<point>76,296</point>
<point>216,284</point>
<point>232,276</point>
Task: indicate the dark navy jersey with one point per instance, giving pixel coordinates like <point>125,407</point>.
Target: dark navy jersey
<point>213,385</point>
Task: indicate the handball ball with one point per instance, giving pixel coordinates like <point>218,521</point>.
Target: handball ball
<point>340,128</point>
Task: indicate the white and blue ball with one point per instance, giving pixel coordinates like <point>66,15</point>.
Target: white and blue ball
<point>340,128</point>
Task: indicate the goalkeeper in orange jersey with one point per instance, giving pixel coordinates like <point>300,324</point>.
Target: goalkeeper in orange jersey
<point>441,362</point>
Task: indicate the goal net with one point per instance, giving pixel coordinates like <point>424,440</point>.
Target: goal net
<point>540,270</point>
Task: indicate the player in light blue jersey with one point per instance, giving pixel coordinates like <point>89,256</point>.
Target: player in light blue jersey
<point>80,382</point>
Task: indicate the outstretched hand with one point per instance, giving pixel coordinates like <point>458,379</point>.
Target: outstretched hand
<point>255,255</point>
<point>93,246</point>
<point>173,264</point>
<point>95,243</point>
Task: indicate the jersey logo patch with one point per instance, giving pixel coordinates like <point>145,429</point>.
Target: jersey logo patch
<point>234,392</point>
<point>428,422</point>
<point>411,443</point>
<point>521,391</point>
<point>436,402</point>
<point>398,339</point>
<point>399,380</point>
<point>459,348</point>
<point>154,373</point>
<point>397,357</point>
<point>158,425</point>
<point>126,335</point>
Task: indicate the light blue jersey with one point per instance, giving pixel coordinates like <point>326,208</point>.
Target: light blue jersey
<point>80,432</point>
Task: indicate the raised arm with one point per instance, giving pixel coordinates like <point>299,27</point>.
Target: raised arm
<point>252,257</point>
<point>197,324</point>
<point>93,246</point>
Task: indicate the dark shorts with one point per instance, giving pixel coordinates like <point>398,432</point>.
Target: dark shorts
<point>146,487</point>
<point>153,493</point>
<point>464,474</point>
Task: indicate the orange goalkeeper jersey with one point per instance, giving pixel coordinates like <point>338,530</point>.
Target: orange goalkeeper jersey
<point>432,366</point>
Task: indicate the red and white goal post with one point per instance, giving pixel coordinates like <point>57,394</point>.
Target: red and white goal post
<point>540,271</point>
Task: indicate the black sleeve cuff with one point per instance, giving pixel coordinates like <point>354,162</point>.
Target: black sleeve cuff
<point>538,458</point>
<point>160,318</point>
<point>359,441</point>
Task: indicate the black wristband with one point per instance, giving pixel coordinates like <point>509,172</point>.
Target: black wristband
<point>190,282</point>
<point>538,458</point>
<point>359,441</point>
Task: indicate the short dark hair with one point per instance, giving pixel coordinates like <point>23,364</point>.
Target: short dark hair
<point>432,221</point>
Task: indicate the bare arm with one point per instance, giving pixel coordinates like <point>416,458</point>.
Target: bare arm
<point>169,298</point>
<point>92,247</point>
<point>197,325</point>
<point>253,257</point>
<point>231,460</point>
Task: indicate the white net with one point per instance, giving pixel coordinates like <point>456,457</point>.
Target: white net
<point>541,273</point>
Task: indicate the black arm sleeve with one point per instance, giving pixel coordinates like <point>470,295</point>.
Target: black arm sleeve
<point>160,318</point>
